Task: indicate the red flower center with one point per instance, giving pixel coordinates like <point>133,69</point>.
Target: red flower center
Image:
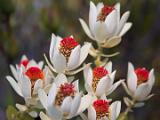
<point>106,10</point>
<point>24,63</point>
<point>67,45</point>
<point>34,73</point>
<point>99,72</point>
<point>142,74</point>
<point>101,107</point>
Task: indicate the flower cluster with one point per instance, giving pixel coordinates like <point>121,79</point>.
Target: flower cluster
<point>53,88</point>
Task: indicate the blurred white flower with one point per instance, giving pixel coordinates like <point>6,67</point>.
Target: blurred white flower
<point>105,25</point>
<point>140,82</point>
<point>66,54</point>
<point>100,80</point>
<point>29,76</point>
<point>102,110</point>
<point>64,100</point>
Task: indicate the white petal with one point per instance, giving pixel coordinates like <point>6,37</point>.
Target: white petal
<point>126,27</point>
<point>92,16</point>
<point>21,107</point>
<point>142,91</point>
<point>74,58</point>
<point>123,20</point>
<point>66,105</point>
<point>75,105</point>
<point>31,64</point>
<point>54,113</point>
<point>86,29</point>
<point>26,87</point>
<point>59,62</point>
<point>33,114</point>
<point>24,57</point>
<point>151,78</point>
<point>84,52</point>
<point>52,94</point>
<point>44,116</point>
<point>102,86</point>
<point>100,5</point>
<point>111,22</point>
<point>86,101</point>
<point>40,64</point>
<point>108,67</point>
<point>43,98</point>
<point>38,84</point>
<point>101,31</point>
<point>52,46</point>
<point>60,79</point>
<point>76,84</point>
<point>91,113</point>
<point>131,78</point>
<point>112,42</point>
<point>117,7</point>
<point>14,85</point>
<point>115,110</point>
<point>88,75</point>
<point>14,72</point>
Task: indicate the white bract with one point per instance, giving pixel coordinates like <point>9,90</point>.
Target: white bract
<point>64,100</point>
<point>28,79</point>
<point>66,54</point>
<point>102,110</point>
<point>100,80</point>
<point>139,82</point>
<point>105,25</point>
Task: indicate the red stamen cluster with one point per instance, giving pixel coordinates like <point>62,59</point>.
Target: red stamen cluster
<point>101,107</point>
<point>34,73</point>
<point>24,63</point>
<point>67,89</point>
<point>99,72</point>
<point>142,74</point>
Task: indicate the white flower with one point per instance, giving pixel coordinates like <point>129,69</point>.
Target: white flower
<point>100,80</point>
<point>66,54</point>
<point>102,110</point>
<point>28,79</point>
<point>139,82</point>
<point>63,100</point>
<point>105,25</point>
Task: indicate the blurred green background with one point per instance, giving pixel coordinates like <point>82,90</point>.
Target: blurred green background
<point>26,27</point>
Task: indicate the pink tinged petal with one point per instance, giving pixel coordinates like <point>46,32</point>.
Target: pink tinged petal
<point>86,29</point>
<point>14,72</point>
<point>102,86</point>
<point>131,78</point>
<point>112,42</point>
<point>52,46</point>
<point>66,105</point>
<point>123,20</point>
<point>76,84</point>
<point>84,52</point>
<point>44,116</point>
<point>151,78</point>
<point>26,87</point>
<point>100,5</point>
<point>92,16</point>
<point>74,58</point>
<point>43,98</point>
<point>14,85</point>
<point>111,22</point>
<point>115,110</point>
<point>125,29</point>
<point>38,84</point>
<point>59,62</point>
<point>86,101</point>
<point>101,31</point>
<point>60,79</point>
<point>113,87</point>
<point>52,94</point>
<point>108,67</point>
<point>75,105</point>
<point>40,64</point>
<point>142,91</point>
<point>117,7</point>
<point>91,113</point>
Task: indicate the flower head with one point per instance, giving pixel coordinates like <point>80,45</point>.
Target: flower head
<point>105,25</point>
<point>142,75</point>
